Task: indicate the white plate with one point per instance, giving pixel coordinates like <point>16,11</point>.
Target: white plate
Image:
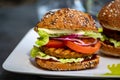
<point>19,61</point>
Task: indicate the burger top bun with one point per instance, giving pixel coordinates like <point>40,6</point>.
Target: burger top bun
<point>66,18</point>
<point>109,15</point>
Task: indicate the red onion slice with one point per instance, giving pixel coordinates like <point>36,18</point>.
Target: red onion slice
<point>77,41</point>
<point>70,39</point>
<point>88,44</point>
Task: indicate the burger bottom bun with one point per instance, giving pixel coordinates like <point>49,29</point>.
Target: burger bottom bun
<point>58,66</point>
<point>110,50</point>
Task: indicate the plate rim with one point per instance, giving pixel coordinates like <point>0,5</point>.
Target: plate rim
<point>4,66</point>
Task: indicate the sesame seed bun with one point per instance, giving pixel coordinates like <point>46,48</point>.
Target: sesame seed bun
<point>66,18</point>
<point>53,65</point>
<point>109,15</point>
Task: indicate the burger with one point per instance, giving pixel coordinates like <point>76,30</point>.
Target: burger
<point>109,18</point>
<point>68,40</point>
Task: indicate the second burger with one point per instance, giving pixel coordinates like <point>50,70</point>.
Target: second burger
<point>109,18</point>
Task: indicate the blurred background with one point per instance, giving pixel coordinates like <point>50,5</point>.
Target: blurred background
<point>17,17</point>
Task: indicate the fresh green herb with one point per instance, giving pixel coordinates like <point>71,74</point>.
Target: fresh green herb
<point>114,69</point>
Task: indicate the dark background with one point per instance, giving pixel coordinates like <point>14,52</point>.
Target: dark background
<point>16,18</point>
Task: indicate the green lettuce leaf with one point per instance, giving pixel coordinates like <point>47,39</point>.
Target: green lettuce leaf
<point>43,39</point>
<point>71,60</point>
<point>34,51</point>
<point>60,60</point>
<point>111,40</point>
<point>94,35</point>
<point>115,42</point>
<point>100,29</point>
<point>58,34</point>
<point>86,33</point>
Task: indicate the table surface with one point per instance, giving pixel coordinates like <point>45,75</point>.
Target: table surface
<point>14,24</point>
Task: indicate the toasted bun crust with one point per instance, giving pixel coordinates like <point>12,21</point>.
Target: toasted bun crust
<point>52,65</point>
<point>109,15</point>
<point>66,18</point>
<point>110,50</point>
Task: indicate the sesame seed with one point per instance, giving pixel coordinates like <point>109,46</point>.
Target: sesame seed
<point>111,10</point>
<point>64,21</point>
<point>115,15</point>
<point>109,15</point>
<point>46,16</point>
<point>116,11</point>
<point>71,24</point>
<point>109,5</point>
<point>106,10</point>
<point>112,1</point>
<point>104,13</point>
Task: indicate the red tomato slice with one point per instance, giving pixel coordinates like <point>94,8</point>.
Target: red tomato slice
<point>55,44</point>
<point>83,49</point>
